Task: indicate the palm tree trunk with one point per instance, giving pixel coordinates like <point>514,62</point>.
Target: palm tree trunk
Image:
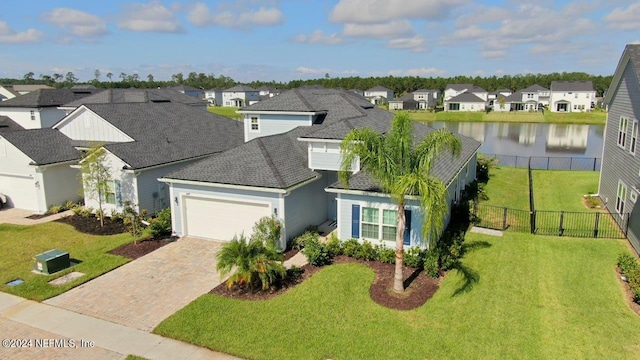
<point>398,283</point>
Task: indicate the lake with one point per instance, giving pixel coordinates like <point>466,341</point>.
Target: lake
<point>528,139</point>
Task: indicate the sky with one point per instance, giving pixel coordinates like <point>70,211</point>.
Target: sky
<point>285,40</point>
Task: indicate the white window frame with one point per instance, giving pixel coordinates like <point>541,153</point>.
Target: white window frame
<point>363,222</point>
<point>394,225</point>
<point>633,196</point>
<point>111,184</point>
<point>621,197</point>
<point>634,138</point>
<point>256,123</point>
<point>32,114</point>
<point>622,131</point>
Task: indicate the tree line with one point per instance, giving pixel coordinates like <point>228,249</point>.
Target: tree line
<point>400,85</point>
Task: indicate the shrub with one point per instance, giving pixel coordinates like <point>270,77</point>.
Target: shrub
<point>294,271</point>
<point>413,257</point>
<point>87,211</point>
<point>351,247</point>
<point>78,210</point>
<point>484,166</point>
<point>316,252</point>
<point>431,264</point>
<point>334,246</point>
<point>627,262</point>
<point>385,254</point>
<point>161,225</point>
<point>267,229</point>
<point>133,220</point>
<point>301,241</point>
<point>55,209</point>
<point>366,251</point>
<point>69,205</point>
<point>631,269</point>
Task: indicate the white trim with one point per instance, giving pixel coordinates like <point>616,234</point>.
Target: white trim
<point>56,164</point>
<point>65,120</point>
<point>257,117</point>
<point>320,140</point>
<point>240,187</point>
<point>266,112</point>
<point>633,141</point>
<point>23,176</point>
<point>366,193</point>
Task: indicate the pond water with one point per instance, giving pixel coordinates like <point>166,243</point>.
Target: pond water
<point>528,139</point>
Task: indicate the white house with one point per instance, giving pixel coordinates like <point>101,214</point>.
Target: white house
<point>240,96</point>
<point>426,98</point>
<point>10,91</point>
<point>189,91</point>
<point>572,96</point>
<point>453,90</point>
<point>535,97</point>
<point>465,102</point>
<point>213,97</point>
<point>379,95</point>
<point>35,171</point>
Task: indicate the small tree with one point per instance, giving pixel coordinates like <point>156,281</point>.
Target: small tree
<point>95,176</point>
<point>133,220</point>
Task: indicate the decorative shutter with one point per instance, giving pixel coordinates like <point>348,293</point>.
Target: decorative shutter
<point>118,193</point>
<point>407,229</point>
<point>355,221</point>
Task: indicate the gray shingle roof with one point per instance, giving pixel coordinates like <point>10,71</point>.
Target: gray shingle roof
<point>379,88</point>
<point>186,88</point>
<point>7,124</point>
<point>168,132</point>
<point>281,161</point>
<point>43,146</point>
<point>634,57</point>
<point>515,97</point>
<point>121,96</point>
<point>407,97</point>
<point>47,98</point>
<point>466,97</point>
<point>240,88</point>
<point>534,88</point>
<point>571,86</point>
<point>308,99</point>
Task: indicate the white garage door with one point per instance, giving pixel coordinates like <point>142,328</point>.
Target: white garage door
<point>20,191</point>
<point>221,219</point>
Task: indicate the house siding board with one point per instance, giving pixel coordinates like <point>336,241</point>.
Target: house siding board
<point>148,184</point>
<point>619,164</point>
<point>128,186</point>
<point>305,206</point>
<point>61,184</point>
<point>272,124</point>
<point>87,126</point>
<point>17,177</point>
<point>179,191</point>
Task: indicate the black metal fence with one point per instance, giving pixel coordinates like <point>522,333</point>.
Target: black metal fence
<point>557,223</point>
<point>549,163</point>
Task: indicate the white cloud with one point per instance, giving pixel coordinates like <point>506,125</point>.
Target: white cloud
<point>307,71</point>
<point>149,17</point>
<point>415,44</point>
<point>390,30</point>
<point>625,19</point>
<point>319,37</point>
<point>76,22</point>
<point>423,71</point>
<point>378,11</point>
<point>483,15</point>
<point>9,36</point>
<point>201,15</point>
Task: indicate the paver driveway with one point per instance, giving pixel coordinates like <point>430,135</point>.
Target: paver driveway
<point>146,291</point>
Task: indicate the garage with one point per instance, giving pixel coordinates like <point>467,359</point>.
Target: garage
<point>221,219</point>
<point>20,191</point>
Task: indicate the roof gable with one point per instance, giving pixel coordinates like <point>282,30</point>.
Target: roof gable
<point>630,56</point>
<point>47,98</point>
<point>571,86</point>
<point>534,88</point>
<point>43,146</point>
<point>125,96</point>
<point>7,124</point>
<point>466,97</point>
<point>379,88</point>
<point>240,88</point>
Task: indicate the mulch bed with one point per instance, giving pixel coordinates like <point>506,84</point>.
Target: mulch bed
<point>91,225</point>
<point>420,287</point>
<point>38,216</point>
<point>629,296</point>
<point>141,248</point>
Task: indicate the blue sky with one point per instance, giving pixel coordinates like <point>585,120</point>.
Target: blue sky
<point>296,39</point>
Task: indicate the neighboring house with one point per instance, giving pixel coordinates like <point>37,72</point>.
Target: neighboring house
<point>378,95</point>
<point>426,98</point>
<point>268,92</point>
<point>213,97</point>
<point>620,175</point>
<point>240,96</point>
<point>465,102</point>
<point>189,91</point>
<point>535,97</point>
<point>406,102</point>
<point>492,97</point>
<point>6,124</point>
<point>288,168</point>
<point>39,109</point>
<point>35,171</point>
<point>144,141</point>
<point>572,96</point>
<point>357,91</point>
<point>453,90</point>
<point>136,96</point>
<point>10,91</point>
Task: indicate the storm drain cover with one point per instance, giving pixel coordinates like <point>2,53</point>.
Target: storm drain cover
<point>15,282</point>
<point>66,278</point>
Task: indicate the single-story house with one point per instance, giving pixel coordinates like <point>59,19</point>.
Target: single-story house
<point>288,168</point>
<point>406,102</point>
<point>379,95</point>
<point>465,102</point>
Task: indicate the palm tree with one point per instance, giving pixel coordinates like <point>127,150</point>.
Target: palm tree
<point>403,169</point>
<point>256,262</point>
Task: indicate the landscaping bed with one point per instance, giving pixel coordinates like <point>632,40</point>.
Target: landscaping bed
<point>141,248</point>
<point>91,225</point>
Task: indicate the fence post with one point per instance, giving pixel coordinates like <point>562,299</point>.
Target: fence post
<point>571,163</point>
<point>561,230</point>
<point>548,162</point>
<point>475,210</point>
<point>532,221</point>
<point>594,163</point>
<point>595,228</point>
<point>626,228</point>
<point>504,219</point>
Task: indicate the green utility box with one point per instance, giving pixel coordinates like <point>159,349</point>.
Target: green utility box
<point>51,261</point>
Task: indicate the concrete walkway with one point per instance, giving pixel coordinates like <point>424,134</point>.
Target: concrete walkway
<point>26,319</point>
<point>146,291</point>
<point>19,217</point>
<point>298,260</point>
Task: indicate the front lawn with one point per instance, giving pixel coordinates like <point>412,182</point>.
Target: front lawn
<point>596,117</point>
<point>508,187</point>
<point>19,244</point>
<point>523,297</point>
<point>588,118</point>
<point>563,190</point>
<point>229,112</point>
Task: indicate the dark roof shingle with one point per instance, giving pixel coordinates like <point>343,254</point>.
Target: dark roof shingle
<point>48,98</point>
<point>43,146</point>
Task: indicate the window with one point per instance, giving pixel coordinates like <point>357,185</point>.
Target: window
<point>587,96</point>
<point>576,96</point>
<point>389,221</point>
<point>255,126</point>
<point>622,132</point>
<point>370,223</point>
<point>633,197</point>
<point>634,137</point>
<point>33,114</point>
<point>621,197</point>
<point>529,96</point>
<point>112,195</point>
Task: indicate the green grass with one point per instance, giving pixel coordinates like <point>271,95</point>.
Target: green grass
<point>563,190</point>
<point>589,118</point>
<point>229,112</point>
<point>508,187</point>
<point>19,244</point>
<point>523,297</point>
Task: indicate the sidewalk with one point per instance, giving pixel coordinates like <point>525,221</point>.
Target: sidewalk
<point>21,318</point>
<point>19,217</point>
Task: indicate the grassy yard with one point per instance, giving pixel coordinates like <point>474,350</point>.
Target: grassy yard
<point>590,118</point>
<point>508,187</point>
<point>229,112</point>
<point>19,244</point>
<point>521,298</point>
<point>563,190</point>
